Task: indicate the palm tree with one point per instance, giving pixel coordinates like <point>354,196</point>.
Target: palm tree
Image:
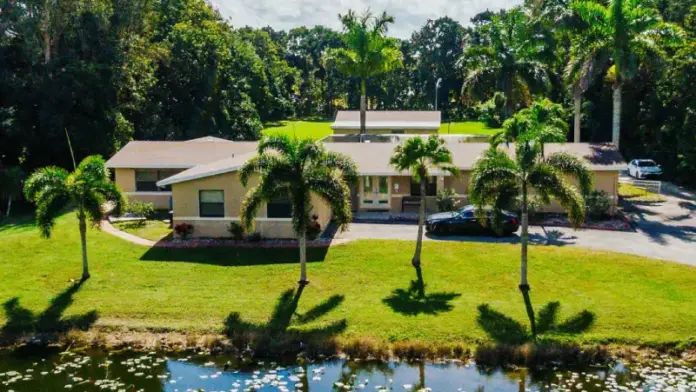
<point>499,181</point>
<point>622,32</point>
<point>419,156</point>
<point>368,51</point>
<point>87,189</point>
<point>296,170</point>
<point>11,183</point>
<point>507,60</point>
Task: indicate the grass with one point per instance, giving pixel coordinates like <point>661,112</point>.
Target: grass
<point>153,230</point>
<point>633,193</point>
<point>358,290</point>
<point>320,129</point>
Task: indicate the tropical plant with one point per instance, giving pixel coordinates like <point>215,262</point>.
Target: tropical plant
<point>446,200</point>
<point>184,230</point>
<point>368,51</point>
<point>506,59</point>
<point>623,31</point>
<point>87,189</point>
<point>141,209</point>
<point>236,230</point>
<point>498,180</point>
<point>296,170</point>
<point>419,156</point>
<point>11,183</point>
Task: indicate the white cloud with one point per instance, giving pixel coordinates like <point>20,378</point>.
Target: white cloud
<point>410,15</point>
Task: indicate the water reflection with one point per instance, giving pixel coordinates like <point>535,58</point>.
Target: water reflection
<point>196,372</point>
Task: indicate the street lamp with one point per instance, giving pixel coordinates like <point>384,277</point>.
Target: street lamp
<point>437,86</point>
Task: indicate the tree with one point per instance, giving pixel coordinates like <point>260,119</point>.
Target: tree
<point>623,31</point>
<point>368,51</point>
<point>420,156</point>
<point>87,189</point>
<point>11,182</point>
<point>498,180</point>
<point>297,170</point>
<point>507,59</point>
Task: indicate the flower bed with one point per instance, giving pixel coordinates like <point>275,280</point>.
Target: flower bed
<point>617,223</point>
<point>228,243</point>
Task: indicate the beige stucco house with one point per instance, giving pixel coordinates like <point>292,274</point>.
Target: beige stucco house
<point>197,180</point>
<point>388,122</point>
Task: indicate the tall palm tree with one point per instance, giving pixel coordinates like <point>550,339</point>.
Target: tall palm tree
<point>296,170</point>
<point>499,181</point>
<point>87,189</point>
<point>622,32</point>
<point>11,183</point>
<point>508,59</point>
<point>367,53</point>
<point>419,156</point>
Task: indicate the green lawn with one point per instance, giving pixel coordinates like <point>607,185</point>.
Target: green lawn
<point>321,129</point>
<point>153,230</point>
<point>633,193</point>
<point>363,287</point>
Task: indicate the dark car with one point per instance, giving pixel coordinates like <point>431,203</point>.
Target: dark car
<point>464,221</point>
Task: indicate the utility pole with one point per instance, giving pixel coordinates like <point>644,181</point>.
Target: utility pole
<point>437,87</point>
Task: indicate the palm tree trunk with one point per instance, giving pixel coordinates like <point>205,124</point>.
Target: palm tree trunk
<point>577,97</point>
<point>9,206</point>
<point>363,106</point>
<point>303,258</point>
<point>421,220</point>
<point>83,241</point>
<point>616,116</point>
<point>524,283</point>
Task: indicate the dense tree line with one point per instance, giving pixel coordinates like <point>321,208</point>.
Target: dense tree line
<point>109,71</point>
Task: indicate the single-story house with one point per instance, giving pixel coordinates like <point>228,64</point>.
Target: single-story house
<point>388,121</point>
<point>197,180</point>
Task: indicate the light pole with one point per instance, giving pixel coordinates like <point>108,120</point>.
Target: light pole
<point>437,87</point>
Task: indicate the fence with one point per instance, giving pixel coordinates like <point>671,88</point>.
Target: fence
<point>647,185</point>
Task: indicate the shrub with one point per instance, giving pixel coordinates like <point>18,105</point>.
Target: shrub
<point>598,204</point>
<point>492,112</point>
<point>534,205</point>
<point>446,200</point>
<point>141,208</point>
<point>236,230</point>
<point>314,228</point>
<point>184,230</point>
<point>254,237</point>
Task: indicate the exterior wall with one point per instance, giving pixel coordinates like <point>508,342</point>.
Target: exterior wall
<point>125,179</point>
<point>386,131</point>
<point>607,181</point>
<point>186,208</point>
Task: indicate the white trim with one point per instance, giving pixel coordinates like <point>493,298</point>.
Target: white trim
<point>166,193</point>
<point>148,166</point>
<point>231,218</point>
<point>173,179</point>
<point>399,125</point>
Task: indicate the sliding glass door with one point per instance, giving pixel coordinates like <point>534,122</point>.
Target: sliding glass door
<point>375,192</point>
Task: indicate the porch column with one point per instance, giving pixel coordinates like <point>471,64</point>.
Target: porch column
<point>440,182</point>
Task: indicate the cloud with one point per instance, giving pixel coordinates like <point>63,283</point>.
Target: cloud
<point>410,15</point>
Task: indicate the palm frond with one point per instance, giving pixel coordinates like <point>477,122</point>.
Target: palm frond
<point>572,166</point>
<point>333,191</point>
<point>547,181</point>
<point>47,178</point>
<point>49,205</point>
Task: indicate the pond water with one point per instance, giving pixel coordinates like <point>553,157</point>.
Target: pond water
<point>199,372</point>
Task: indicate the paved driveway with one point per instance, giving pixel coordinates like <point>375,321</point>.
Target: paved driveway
<point>664,231</point>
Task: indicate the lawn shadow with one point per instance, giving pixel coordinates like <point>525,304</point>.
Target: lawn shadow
<point>17,223</point>
<point>280,335</point>
<point>233,257</point>
<point>506,330</point>
<point>414,300</point>
<point>22,321</point>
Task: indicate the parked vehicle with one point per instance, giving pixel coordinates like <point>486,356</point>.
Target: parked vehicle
<point>644,168</point>
<point>464,221</point>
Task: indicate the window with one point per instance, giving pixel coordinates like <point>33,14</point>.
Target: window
<point>211,204</point>
<point>146,180</point>
<point>430,187</point>
<point>279,208</point>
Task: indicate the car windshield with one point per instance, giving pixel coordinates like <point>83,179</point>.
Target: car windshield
<point>647,163</point>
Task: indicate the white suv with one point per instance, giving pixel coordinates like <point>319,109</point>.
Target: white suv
<point>644,168</point>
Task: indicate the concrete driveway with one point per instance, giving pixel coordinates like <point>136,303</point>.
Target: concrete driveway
<point>664,231</point>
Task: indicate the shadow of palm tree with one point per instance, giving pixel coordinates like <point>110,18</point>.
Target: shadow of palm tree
<point>414,300</point>
<point>278,336</point>
<point>21,320</point>
<point>506,330</point>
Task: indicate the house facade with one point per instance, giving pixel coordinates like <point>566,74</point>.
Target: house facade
<point>388,122</point>
<point>208,195</point>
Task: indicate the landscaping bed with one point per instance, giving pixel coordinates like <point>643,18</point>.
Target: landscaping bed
<point>616,223</point>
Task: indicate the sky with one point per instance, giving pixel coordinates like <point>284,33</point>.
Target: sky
<point>410,15</point>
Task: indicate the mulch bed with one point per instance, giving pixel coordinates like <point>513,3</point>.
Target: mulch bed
<point>227,243</point>
<point>617,223</point>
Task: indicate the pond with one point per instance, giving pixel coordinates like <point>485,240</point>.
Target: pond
<point>98,371</point>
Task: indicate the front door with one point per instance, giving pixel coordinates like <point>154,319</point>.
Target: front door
<point>375,192</point>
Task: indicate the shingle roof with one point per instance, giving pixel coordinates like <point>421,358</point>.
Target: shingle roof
<point>373,158</point>
<point>388,119</point>
<point>177,155</point>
